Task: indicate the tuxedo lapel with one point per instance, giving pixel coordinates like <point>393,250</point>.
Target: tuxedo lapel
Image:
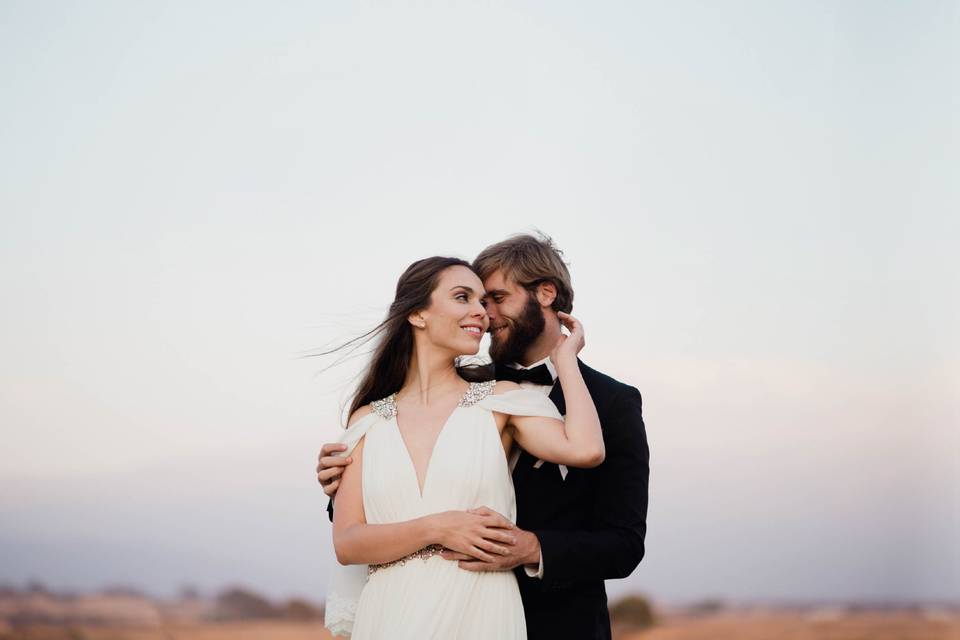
<point>556,396</point>
<point>520,468</point>
<point>525,464</point>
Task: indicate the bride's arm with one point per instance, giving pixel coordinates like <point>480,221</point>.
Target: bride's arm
<point>357,542</point>
<point>577,440</point>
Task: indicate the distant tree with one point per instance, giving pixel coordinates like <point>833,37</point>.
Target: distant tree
<point>123,591</point>
<point>37,587</point>
<point>73,633</point>
<point>298,609</point>
<point>189,592</point>
<point>633,612</point>
<point>240,604</point>
<point>707,607</point>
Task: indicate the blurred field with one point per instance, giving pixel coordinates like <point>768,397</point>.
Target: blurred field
<point>240,614</point>
<point>725,626</point>
<point>803,626</point>
<point>259,630</point>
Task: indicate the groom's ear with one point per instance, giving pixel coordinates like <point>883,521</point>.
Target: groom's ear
<point>546,293</point>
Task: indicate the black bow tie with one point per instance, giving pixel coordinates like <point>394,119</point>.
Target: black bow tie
<point>537,375</point>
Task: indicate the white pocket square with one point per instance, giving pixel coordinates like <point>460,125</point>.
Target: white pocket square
<point>562,467</point>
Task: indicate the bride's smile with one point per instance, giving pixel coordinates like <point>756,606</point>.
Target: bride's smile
<point>455,320</point>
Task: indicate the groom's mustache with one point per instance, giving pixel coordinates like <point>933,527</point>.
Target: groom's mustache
<point>493,329</point>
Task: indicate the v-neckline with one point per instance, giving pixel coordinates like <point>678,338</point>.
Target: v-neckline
<point>436,441</point>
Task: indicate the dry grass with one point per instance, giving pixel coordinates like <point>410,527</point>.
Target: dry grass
<point>266,630</point>
<point>823,625</point>
<point>803,626</point>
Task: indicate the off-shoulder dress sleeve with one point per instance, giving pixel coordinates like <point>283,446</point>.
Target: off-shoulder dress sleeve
<point>352,435</point>
<point>346,581</point>
<point>521,402</point>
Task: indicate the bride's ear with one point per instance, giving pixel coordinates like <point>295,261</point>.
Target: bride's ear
<point>417,320</point>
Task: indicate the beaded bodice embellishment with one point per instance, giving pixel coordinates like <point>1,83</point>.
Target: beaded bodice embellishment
<point>424,554</point>
<point>385,408</point>
<point>476,392</point>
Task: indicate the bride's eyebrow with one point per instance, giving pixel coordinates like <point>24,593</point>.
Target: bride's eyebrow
<point>464,287</point>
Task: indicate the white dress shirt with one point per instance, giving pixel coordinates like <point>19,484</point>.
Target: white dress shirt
<point>545,389</point>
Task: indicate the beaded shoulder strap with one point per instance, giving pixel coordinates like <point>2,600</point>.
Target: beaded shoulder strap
<point>476,392</point>
<point>385,408</point>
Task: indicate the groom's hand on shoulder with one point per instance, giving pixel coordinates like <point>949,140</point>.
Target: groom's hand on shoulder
<point>330,467</point>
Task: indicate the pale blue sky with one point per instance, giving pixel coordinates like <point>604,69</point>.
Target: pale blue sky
<point>758,201</point>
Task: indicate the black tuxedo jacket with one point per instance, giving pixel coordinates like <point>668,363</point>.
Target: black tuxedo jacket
<point>591,525</point>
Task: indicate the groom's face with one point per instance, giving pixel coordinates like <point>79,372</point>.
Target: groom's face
<point>516,319</point>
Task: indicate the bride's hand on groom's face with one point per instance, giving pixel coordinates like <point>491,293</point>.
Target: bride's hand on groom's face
<point>570,345</point>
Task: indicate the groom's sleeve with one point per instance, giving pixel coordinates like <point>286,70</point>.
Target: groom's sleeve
<point>614,546</point>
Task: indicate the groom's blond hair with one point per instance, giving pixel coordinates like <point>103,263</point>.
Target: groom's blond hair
<point>529,260</point>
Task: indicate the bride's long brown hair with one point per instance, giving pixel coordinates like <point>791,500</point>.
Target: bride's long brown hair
<point>391,358</point>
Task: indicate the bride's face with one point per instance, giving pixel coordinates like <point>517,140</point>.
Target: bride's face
<point>455,319</point>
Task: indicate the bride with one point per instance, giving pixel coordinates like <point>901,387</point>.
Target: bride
<point>429,443</point>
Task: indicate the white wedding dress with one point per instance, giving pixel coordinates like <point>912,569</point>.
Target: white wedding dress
<point>426,596</point>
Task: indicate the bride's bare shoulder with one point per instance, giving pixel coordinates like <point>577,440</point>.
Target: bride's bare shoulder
<point>503,386</point>
<point>360,414</point>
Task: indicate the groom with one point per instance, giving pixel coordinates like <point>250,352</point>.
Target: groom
<point>575,527</point>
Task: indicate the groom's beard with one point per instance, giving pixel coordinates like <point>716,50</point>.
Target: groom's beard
<point>522,331</point>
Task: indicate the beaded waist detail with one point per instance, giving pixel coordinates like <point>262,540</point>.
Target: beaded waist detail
<point>423,554</point>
